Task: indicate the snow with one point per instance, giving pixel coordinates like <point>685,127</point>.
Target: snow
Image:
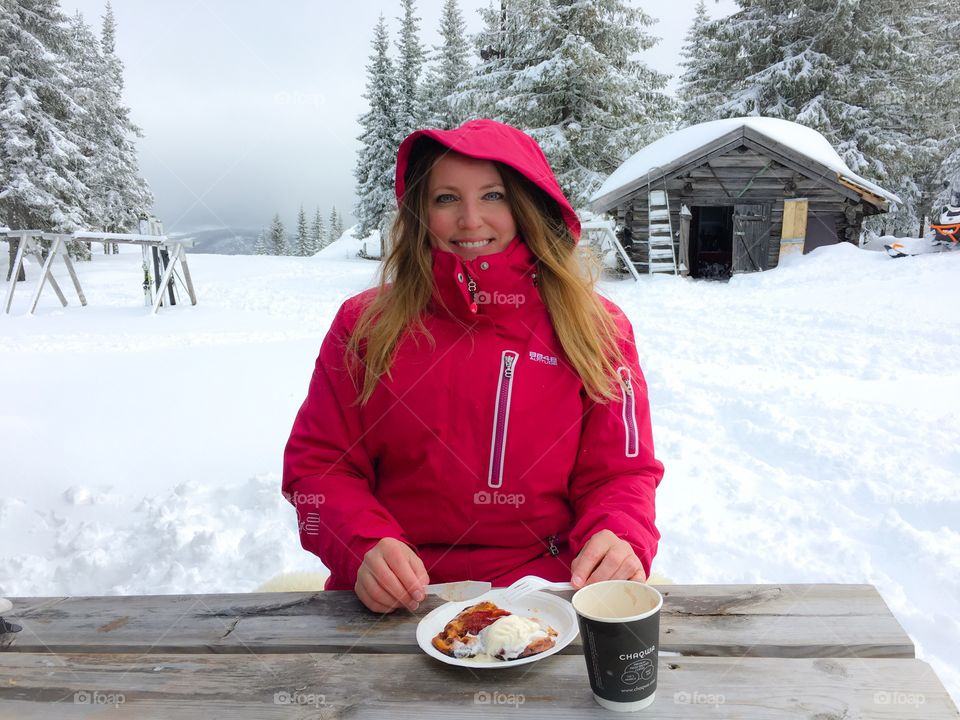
<point>807,417</point>
<point>671,147</point>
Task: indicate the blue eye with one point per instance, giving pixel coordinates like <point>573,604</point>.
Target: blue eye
<point>445,198</point>
<point>494,195</point>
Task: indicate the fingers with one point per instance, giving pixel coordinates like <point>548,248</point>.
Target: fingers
<point>372,595</point>
<point>608,567</point>
<point>590,556</point>
<point>640,575</point>
<point>606,557</point>
<point>391,575</point>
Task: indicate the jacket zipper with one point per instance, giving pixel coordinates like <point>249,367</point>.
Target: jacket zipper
<point>501,417</point>
<point>629,412</point>
<point>552,540</point>
<point>472,288</point>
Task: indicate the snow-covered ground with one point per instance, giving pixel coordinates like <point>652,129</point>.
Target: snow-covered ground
<point>807,417</point>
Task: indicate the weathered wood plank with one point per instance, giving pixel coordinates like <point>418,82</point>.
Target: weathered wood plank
<point>41,687</point>
<point>715,620</point>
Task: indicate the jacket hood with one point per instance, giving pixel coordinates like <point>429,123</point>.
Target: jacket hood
<point>492,140</point>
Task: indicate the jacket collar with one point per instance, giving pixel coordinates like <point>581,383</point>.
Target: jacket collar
<point>504,282</point>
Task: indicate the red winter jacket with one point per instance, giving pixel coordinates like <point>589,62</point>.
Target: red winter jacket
<point>483,453</point>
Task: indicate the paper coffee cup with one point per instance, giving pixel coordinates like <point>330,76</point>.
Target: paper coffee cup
<point>620,628</point>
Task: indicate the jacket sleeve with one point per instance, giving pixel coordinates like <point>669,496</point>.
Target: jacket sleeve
<point>327,474</point>
<point>615,476</point>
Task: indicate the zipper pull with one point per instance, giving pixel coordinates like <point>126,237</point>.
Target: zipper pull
<point>554,550</point>
<point>472,287</point>
<point>508,361</point>
<point>627,385</point>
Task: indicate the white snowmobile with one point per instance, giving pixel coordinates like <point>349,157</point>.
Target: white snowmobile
<point>944,235</point>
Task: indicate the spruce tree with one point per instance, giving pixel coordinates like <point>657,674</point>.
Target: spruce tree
<point>448,70</point>
<point>85,66</point>
<point>260,248</point>
<point>126,195</point>
<point>336,226</point>
<point>507,45</point>
<point>939,29</point>
<point>846,69</point>
<point>566,71</point>
<point>698,90</point>
<point>42,164</point>
<point>409,68</point>
<point>302,246</point>
<point>278,236</point>
<point>949,173</point>
<point>376,158</point>
<point>317,239</point>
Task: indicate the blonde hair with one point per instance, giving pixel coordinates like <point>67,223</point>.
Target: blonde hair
<point>565,280</point>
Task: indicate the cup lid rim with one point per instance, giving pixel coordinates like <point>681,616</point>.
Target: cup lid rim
<point>629,618</point>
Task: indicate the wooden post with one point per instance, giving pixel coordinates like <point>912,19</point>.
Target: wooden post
<point>685,217</point>
<point>186,276</point>
<point>47,273</point>
<point>12,247</point>
<point>17,270</point>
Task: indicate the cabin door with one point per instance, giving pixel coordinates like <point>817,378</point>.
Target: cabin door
<point>751,237</point>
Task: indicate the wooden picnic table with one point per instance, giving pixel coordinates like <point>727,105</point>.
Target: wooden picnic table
<point>824,652</point>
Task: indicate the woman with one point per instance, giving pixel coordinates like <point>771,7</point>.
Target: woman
<point>481,414</point>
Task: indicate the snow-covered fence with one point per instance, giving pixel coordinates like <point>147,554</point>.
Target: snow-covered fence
<point>167,254</point>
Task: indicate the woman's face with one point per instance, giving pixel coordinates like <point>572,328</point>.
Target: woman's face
<point>468,210</point>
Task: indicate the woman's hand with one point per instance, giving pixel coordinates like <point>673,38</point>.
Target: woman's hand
<point>606,557</point>
<point>391,575</point>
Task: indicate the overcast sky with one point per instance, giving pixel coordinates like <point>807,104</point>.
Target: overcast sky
<point>251,108</point>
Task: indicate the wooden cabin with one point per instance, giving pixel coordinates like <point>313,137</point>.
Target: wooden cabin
<point>730,196</point>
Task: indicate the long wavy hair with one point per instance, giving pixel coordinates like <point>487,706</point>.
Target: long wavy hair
<point>565,280</point>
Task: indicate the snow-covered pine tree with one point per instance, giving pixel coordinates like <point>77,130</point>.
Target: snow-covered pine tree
<point>278,237</point>
<point>570,77</point>
<point>41,155</point>
<point>449,67</point>
<point>336,226</point>
<point>846,69</point>
<point>260,248</point>
<point>506,45</point>
<point>376,159</point>
<point>698,92</point>
<point>125,193</point>
<point>950,181</point>
<point>302,247</point>
<point>941,25</point>
<point>317,233</point>
<point>411,57</point>
<point>85,67</point>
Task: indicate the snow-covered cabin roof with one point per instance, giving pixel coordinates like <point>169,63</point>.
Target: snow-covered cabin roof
<point>673,151</point>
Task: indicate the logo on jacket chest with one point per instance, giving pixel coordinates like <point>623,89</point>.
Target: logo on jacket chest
<point>541,358</point>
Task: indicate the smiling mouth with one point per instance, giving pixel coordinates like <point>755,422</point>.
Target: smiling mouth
<point>471,243</point>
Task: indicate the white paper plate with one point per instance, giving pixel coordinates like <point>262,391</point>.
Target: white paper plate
<point>554,611</point>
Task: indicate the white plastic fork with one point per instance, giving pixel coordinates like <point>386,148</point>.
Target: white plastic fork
<point>530,583</point>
